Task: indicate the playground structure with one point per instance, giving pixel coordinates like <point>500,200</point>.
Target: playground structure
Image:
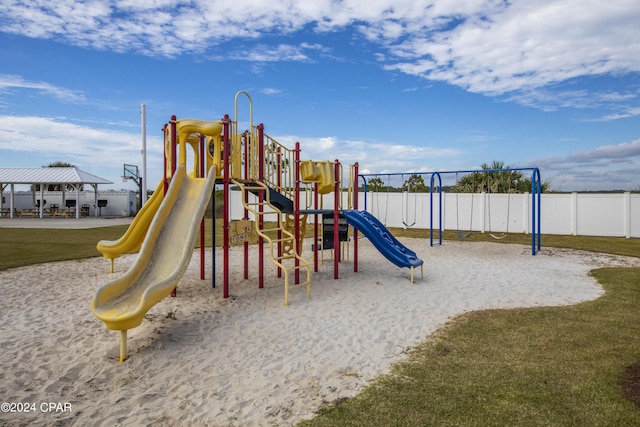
<point>274,183</point>
<point>479,203</point>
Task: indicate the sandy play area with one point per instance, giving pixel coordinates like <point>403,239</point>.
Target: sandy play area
<point>248,360</point>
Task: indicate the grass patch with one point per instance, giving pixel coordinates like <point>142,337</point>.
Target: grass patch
<point>612,245</point>
<point>27,246</point>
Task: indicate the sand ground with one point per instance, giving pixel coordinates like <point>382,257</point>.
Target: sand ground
<point>248,360</point>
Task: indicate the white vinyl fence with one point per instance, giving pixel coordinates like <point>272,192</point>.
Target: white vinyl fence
<point>586,214</point>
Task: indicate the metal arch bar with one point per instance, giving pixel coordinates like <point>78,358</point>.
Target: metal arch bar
<point>244,92</point>
<point>447,172</point>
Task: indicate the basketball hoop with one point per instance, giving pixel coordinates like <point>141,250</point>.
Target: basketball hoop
<point>130,172</point>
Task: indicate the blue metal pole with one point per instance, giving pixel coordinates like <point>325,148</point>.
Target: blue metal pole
<point>431,212</point>
<point>537,171</point>
<point>364,189</point>
<point>433,174</point>
<point>533,213</point>
<point>536,189</point>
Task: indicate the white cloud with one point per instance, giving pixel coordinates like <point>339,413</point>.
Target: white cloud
<point>623,152</point>
<point>526,45</point>
<point>10,82</point>
<point>270,91</point>
<point>625,114</point>
<point>486,46</point>
<point>528,52</point>
<point>263,53</point>
<point>104,151</point>
<point>607,167</point>
<point>379,157</point>
<point>91,149</point>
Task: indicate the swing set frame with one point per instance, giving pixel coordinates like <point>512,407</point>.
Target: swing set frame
<point>536,190</point>
<point>435,186</point>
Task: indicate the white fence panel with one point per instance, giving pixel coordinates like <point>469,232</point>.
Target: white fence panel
<point>463,212</point>
<point>587,214</point>
<point>503,213</point>
<point>600,215</point>
<point>633,215</point>
<point>557,214</point>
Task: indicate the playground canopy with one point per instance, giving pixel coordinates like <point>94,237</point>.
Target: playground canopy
<point>64,176</point>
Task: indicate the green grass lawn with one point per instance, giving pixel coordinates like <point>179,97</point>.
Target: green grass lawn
<point>25,246</point>
<point>528,367</point>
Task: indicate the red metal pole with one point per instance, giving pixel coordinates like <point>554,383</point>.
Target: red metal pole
<point>164,171</point>
<point>355,207</point>
<point>173,145</point>
<point>316,229</point>
<point>260,207</point>
<point>296,208</point>
<point>246,200</point>
<point>336,217</point>
<point>225,222</point>
<point>201,175</point>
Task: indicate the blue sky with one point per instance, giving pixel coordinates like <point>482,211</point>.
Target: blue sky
<point>396,85</point>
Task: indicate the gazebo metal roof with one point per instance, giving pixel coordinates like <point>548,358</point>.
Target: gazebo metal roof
<point>48,175</point>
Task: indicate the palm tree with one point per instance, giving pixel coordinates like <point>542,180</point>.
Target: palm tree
<point>497,178</point>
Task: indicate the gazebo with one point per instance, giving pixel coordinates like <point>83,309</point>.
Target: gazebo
<point>44,177</point>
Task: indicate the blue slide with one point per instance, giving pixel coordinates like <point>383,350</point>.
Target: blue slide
<point>382,238</point>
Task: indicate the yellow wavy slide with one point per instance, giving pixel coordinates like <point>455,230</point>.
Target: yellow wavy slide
<point>164,256</point>
<point>132,239</point>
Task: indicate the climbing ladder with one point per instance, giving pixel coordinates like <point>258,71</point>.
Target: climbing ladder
<point>270,171</point>
<point>283,249</point>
